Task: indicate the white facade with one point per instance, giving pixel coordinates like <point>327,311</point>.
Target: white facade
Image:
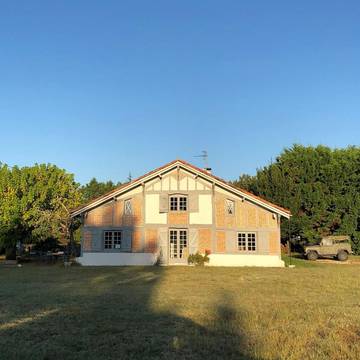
<point>245,260</point>
<point>116,259</point>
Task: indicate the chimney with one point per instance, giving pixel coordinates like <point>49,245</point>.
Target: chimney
<point>208,170</point>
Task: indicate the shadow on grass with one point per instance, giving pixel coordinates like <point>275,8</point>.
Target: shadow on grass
<point>109,314</point>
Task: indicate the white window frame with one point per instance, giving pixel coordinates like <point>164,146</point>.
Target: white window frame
<point>112,239</point>
<point>179,201</point>
<point>247,242</point>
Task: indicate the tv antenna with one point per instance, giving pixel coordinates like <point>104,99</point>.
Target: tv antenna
<point>204,155</point>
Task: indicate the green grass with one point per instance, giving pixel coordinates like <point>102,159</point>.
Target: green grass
<point>298,261</point>
<point>48,312</point>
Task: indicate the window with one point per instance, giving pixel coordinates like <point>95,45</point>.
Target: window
<point>230,207</point>
<point>247,241</point>
<point>128,207</point>
<point>112,239</point>
<point>178,203</point>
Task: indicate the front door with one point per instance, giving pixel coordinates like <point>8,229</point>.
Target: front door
<point>178,245</point>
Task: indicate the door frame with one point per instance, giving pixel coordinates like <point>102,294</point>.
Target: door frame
<point>179,250</point>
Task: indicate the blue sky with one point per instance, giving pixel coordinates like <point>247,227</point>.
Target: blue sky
<point>102,88</point>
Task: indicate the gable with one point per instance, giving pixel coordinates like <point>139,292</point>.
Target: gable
<point>181,176</point>
<point>177,180</point>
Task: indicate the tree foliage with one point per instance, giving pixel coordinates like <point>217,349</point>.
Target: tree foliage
<point>321,187</point>
<point>35,203</point>
<point>94,189</point>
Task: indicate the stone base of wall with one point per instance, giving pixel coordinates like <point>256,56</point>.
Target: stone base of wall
<point>117,259</point>
<point>245,260</point>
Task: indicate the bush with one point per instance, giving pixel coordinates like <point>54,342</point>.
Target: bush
<point>198,259</point>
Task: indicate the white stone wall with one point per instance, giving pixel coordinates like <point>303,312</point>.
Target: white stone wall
<point>245,260</point>
<point>116,259</point>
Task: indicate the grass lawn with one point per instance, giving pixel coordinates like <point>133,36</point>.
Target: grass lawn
<point>49,312</point>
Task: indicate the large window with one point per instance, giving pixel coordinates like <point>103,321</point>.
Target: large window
<point>247,241</point>
<point>178,203</point>
<point>112,239</point>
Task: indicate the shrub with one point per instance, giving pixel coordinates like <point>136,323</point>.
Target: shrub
<point>198,259</point>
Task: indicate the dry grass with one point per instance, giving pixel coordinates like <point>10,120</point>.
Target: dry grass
<point>180,313</point>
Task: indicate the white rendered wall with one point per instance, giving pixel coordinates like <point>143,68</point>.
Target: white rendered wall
<point>152,214</point>
<point>245,260</point>
<point>204,216</point>
<point>116,259</point>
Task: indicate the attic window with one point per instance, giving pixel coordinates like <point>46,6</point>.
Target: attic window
<point>128,207</point>
<point>178,203</point>
<point>230,207</point>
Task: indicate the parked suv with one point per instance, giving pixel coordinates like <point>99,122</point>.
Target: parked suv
<point>331,246</point>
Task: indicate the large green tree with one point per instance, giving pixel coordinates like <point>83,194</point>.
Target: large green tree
<point>321,187</point>
<point>35,204</point>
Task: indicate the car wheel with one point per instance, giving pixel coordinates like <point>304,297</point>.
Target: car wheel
<point>342,255</point>
<point>312,255</point>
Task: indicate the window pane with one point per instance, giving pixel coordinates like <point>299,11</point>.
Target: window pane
<point>173,244</point>
<point>173,203</point>
<point>242,241</point>
<point>117,239</point>
<point>183,242</point>
<point>182,203</point>
<point>251,242</point>
<point>108,240</point>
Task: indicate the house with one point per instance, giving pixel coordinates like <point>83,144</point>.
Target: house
<point>176,210</point>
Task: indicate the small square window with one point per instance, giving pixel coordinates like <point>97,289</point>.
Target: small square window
<point>112,239</point>
<point>246,242</point>
<point>230,207</point>
<point>178,203</point>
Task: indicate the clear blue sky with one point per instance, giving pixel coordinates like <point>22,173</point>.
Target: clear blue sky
<point>102,88</point>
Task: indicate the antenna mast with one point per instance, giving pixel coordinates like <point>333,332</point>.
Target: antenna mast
<point>205,157</point>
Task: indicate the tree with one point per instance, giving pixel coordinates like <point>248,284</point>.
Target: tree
<point>321,187</point>
<point>35,204</point>
<point>94,189</point>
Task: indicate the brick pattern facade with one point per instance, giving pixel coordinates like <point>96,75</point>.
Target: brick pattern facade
<point>274,242</point>
<point>136,241</point>
<point>204,240</point>
<point>220,242</point>
<point>178,218</point>
<point>151,241</point>
<point>87,240</point>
